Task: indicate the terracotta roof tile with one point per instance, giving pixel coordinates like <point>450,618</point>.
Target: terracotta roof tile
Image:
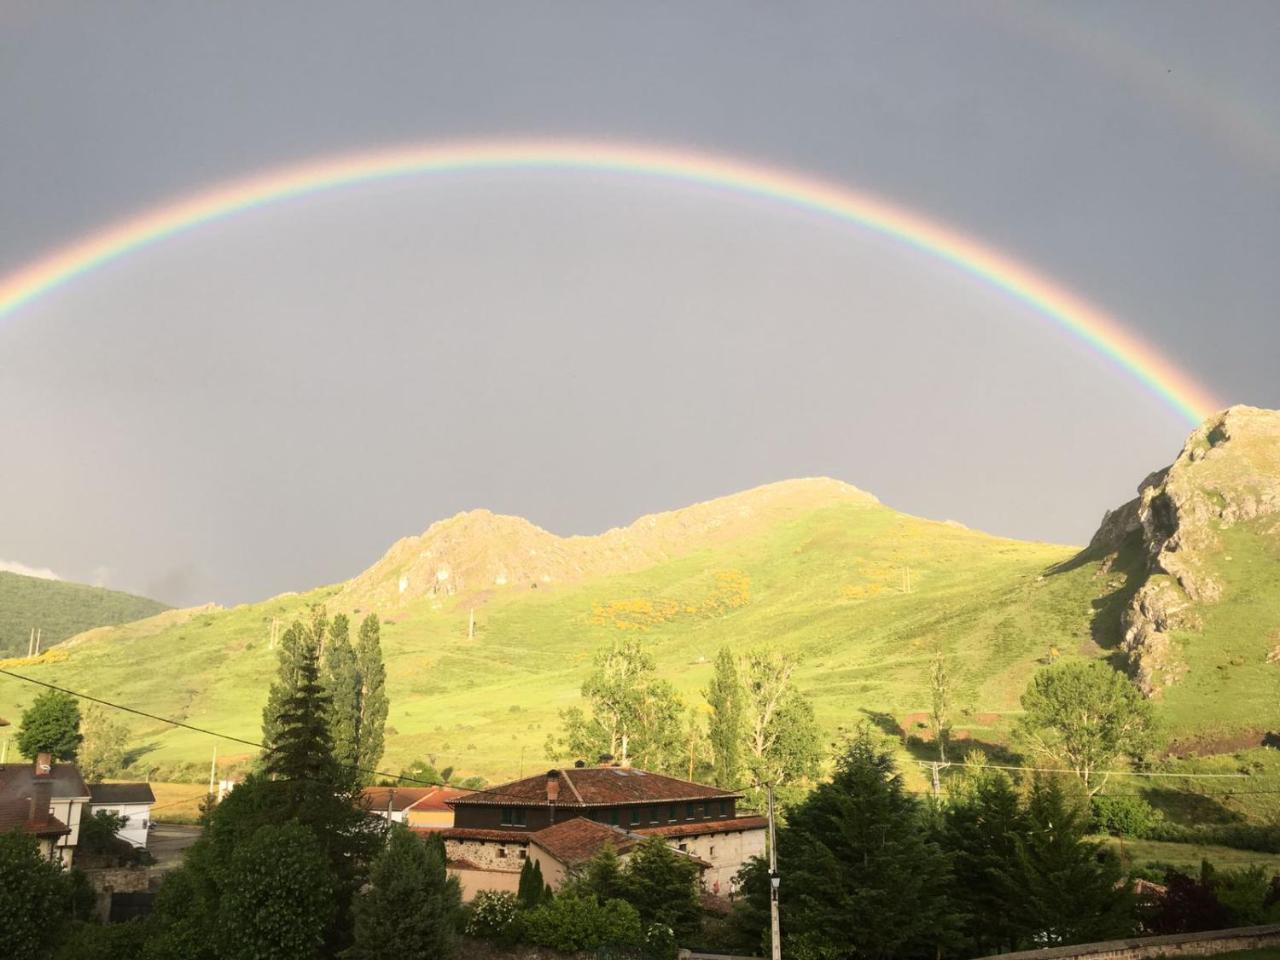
<point>700,827</point>
<point>596,786</point>
<point>579,839</point>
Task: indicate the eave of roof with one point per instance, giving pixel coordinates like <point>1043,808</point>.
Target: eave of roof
<point>699,827</point>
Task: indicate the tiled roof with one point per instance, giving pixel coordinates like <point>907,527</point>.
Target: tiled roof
<point>15,815</point>
<point>397,798</point>
<point>16,780</point>
<point>596,786</point>
<point>475,833</point>
<point>699,827</point>
<point>579,839</point>
<point>102,793</point>
<point>438,799</point>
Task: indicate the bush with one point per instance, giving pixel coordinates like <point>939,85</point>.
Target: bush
<point>493,916</point>
<point>1238,836</point>
<point>1124,816</point>
<point>582,923</point>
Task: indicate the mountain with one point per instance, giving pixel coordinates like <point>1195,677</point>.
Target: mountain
<point>59,610</point>
<point>863,593</point>
<point>1197,556</point>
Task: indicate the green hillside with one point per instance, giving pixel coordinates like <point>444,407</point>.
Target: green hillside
<point>1181,586</point>
<point>60,610</point>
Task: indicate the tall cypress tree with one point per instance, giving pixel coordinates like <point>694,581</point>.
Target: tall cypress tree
<point>289,655</point>
<point>725,730</point>
<point>373,698</point>
<point>342,683</point>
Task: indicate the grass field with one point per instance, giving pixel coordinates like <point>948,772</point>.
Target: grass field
<point>1187,856</point>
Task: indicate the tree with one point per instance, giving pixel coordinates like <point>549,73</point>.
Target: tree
<point>412,906</point>
<point>374,705</point>
<point>294,644</point>
<point>633,713</point>
<point>982,825</point>
<point>784,742</point>
<point>1062,892</point>
<point>278,899</point>
<point>940,702</point>
<point>532,888</point>
<point>725,730</point>
<point>1084,715</point>
<point>34,899</point>
<point>102,749</point>
<point>662,885</point>
<point>862,876</point>
<point>342,684</point>
<point>51,725</point>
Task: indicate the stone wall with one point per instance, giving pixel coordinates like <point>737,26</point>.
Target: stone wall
<point>726,852</point>
<point>112,880</point>
<point>1147,948</point>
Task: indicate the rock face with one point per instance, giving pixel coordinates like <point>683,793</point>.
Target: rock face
<point>1228,473</point>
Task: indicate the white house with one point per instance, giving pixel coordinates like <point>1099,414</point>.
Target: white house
<point>44,799</point>
<point>133,801</point>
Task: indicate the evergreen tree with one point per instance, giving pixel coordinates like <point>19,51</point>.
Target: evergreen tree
<point>982,827</point>
<point>301,752</point>
<point>725,728</point>
<point>51,725</point>
<point>289,653</point>
<point>374,705</point>
<point>412,905</point>
<point>532,887</point>
<point>342,683</point>
<point>1065,892</point>
<point>862,876</point>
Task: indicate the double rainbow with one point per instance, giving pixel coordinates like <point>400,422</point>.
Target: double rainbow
<point>1104,334</point>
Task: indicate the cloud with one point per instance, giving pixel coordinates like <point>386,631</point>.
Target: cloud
<point>12,566</point>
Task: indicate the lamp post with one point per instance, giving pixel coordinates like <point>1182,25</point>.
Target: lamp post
<point>774,880</point>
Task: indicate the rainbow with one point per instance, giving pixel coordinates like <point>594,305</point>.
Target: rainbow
<point>1050,300</point>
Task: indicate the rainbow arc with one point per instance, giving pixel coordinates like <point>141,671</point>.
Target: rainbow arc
<point>1107,336</point>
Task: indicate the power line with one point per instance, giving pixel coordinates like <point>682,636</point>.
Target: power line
<point>204,730</point>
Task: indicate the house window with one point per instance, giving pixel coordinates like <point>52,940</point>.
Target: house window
<point>671,814</point>
<point>684,847</point>
<point>688,811</point>
<point>635,816</point>
<point>515,817</point>
<point>525,853</point>
<point>613,817</point>
<point>724,808</point>
<point>502,853</point>
<point>711,852</point>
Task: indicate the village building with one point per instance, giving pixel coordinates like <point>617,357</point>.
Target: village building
<point>420,808</point>
<point>495,830</point>
<point>46,800</point>
<point>133,801</point>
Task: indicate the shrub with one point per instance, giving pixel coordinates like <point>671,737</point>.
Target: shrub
<point>582,923</point>
<point>492,915</point>
<point>1123,816</point>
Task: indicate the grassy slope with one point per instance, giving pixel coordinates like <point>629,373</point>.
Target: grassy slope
<point>826,585</point>
<point>60,610</point>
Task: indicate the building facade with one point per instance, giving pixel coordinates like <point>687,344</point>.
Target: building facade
<point>493,828</point>
<point>46,800</point>
<point>133,801</point>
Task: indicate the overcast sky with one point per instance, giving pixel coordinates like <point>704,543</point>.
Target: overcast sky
<point>266,403</point>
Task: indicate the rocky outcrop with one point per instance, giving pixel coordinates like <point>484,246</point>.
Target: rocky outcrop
<point>1228,473</point>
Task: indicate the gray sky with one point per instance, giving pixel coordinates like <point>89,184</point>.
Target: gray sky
<point>266,403</point>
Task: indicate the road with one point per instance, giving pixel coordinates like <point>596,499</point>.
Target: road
<point>168,841</point>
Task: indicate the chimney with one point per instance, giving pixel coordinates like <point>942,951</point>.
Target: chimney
<point>605,759</point>
<point>553,792</point>
<point>41,789</point>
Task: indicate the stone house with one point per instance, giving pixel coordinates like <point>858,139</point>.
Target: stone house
<point>494,828</point>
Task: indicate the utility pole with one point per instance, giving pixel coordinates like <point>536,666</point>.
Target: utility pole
<point>39,637</point>
<point>31,643</point>
<point>213,769</point>
<point>775,930</point>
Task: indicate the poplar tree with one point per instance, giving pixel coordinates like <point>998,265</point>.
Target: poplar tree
<point>725,728</point>
<point>373,702</point>
<point>342,683</point>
